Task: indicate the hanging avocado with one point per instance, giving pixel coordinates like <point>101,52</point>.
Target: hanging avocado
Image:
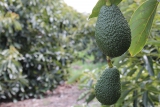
<point>112,33</point>
<point>108,87</point>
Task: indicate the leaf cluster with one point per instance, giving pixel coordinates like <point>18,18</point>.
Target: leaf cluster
<point>37,42</point>
<point>139,74</point>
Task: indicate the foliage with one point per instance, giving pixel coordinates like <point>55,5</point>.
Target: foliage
<point>139,74</point>
<point>98,6</point>
<point>87,81</point>
<point>140,24</point>
<point>140,81</point>
<point>87,44</point>
<point>38,42</point>
<point>11,77</point>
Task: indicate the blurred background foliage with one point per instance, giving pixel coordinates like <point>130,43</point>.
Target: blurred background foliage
<point>40,42</point>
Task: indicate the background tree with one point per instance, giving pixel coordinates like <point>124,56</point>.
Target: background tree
<point>38,43</point>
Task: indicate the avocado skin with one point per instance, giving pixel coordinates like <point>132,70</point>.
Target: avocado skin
<point>112,33</point>
<point>108,87</point>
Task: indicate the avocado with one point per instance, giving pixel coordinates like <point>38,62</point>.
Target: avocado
<point>112,33</point>
<point>108,87</point>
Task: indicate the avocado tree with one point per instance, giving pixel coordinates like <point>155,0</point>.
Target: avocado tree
<point>139,67</point>
<point>37,45</point>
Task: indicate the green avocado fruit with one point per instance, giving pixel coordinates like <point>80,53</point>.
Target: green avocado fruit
<point>112,33</point>
<point>108,87</point>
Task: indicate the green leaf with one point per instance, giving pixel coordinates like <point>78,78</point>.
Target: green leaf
<point>90,82</point>
<point>150,102</point>
<point>17,25</point>
<point>149,64</point>
<point>153,97</point>
<point>90,98</point>
<point>153,89</point>
<point>123,95</point>
<point>153,42</point>
<point>83,79</point>
<point>145,98</point>
<point>115,1</point>
<point>118,59</point>
<point>98,6</point>
<point>131,72</point>
<point>24,81</point>
<point>146,101</point>
<point>84,94</point>
<point>139,74</point>
<point>140,24</point>
<point>135,101</point>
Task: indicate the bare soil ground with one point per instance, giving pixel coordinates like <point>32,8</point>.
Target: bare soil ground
<point>63,96</point>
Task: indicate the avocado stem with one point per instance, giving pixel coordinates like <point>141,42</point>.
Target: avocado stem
<point>109,62</point>
<point>108,2</point>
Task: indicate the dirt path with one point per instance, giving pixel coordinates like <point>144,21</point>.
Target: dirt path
<point>63,96</point>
